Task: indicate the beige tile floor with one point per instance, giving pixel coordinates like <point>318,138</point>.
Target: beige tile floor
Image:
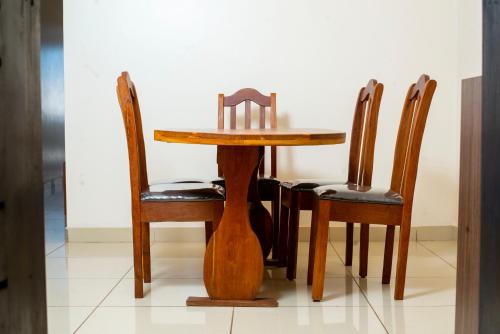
<point>90,290</point>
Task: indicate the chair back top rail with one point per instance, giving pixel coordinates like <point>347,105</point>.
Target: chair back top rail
<point>364,132</point>
<point>409,139</point>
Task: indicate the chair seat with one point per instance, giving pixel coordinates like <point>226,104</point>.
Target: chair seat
<point>183,192</point>
<point>308,184</point>
<point>354,193</point>
<point>263,181</point>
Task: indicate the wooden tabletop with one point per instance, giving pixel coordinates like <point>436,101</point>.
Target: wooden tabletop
<point>252,137</point>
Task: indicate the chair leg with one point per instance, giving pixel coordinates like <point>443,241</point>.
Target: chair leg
<point>320,244</point>
<point>363,249</point>
<point>275,208</point>
<point>404,239</point>
<point>137,245</point>
<point>209,230</point>
<point>312,246</point>
<point>283,237</point>
<point>146,252</point>
<point>293,236</point>
<point>349,240</point>
<point>388,251</point>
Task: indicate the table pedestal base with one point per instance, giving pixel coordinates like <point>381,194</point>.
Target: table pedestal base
<point>207,301</point>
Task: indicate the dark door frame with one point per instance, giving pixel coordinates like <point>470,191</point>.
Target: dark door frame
<point>489,282</point>
<point>22,256</point>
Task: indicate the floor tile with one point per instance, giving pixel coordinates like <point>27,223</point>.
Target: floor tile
<point>87,267</point>
<point>78,291</point>
<point>417,320</point>
<point>152,320</point>
<point>174,268</point>
<point>418,292</point>
<point>52,246</point>
<point>93,250</point>
<point>338,292</point>
<point>376,248</point>
<point>418,266</point>
<point>161,292</point>
<point>447,250</point>
<point>334,266</point>
<point>64,320</point>
<point>290,320</point>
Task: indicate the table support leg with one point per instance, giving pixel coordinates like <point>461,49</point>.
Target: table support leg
<point>234,265</point>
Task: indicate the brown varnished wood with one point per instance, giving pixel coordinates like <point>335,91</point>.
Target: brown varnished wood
<point>178,211</point>
<point>293,235</point>
<point>247,94</point>
<point>234,263</point>
<point>232,120</point>
<point>125,98</point>
<point>252,137</point>
<point>248,115</point>
<point>408,143</point>
<point>321,215</point>
<point>364,237</point>
<point>145,212</point>
<point>260,219</point>
<point>209,302</point>
<point>220,114</point>
<point>146,252</point>
<point>469,210</point>
<point>388,251</point>
<point>364,130</point>
<point>349,243</point>
<point>258,212</point>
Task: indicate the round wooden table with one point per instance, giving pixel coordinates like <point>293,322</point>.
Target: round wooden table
<point>234,263</point>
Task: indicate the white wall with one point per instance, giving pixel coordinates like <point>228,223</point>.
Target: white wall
<point>470,38</point>
<point>314,54</point>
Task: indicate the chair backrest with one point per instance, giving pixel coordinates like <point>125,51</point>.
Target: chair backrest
<point>364,133</point>
<point>411,129</point>
<point>129,104</point>
<point>249,95</point>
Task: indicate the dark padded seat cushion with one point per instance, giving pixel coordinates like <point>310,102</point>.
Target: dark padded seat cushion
<point>263,181</point>
<point>183,191</point>
<point>308,184</point>
<point>355,193</point>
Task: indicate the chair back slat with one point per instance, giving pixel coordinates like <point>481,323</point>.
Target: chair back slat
<point>262,117</point>
<point>364,132</point>
<point>248,115</point>
<point>129,104</point>
<point>232,119</point>
<point>249,95</point>
<point>409,140</point>
<point>220,115</point>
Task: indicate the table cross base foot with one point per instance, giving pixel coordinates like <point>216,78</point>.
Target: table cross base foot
<point>207,301</point>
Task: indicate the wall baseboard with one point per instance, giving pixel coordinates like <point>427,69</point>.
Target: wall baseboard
<point>197,234</point>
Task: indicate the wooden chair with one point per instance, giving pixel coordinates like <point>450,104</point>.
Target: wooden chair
<point>367,205</point>
<point>298,194</point>
<point>269,186</point>
<point>171,201</point>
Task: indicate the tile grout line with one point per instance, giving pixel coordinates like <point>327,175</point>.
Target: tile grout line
<point>232,321</point>
<point>361,291</point>
<point>436,254</point>
<point>106,296</point>
<point>52,251</point>
<point>103,299</point>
